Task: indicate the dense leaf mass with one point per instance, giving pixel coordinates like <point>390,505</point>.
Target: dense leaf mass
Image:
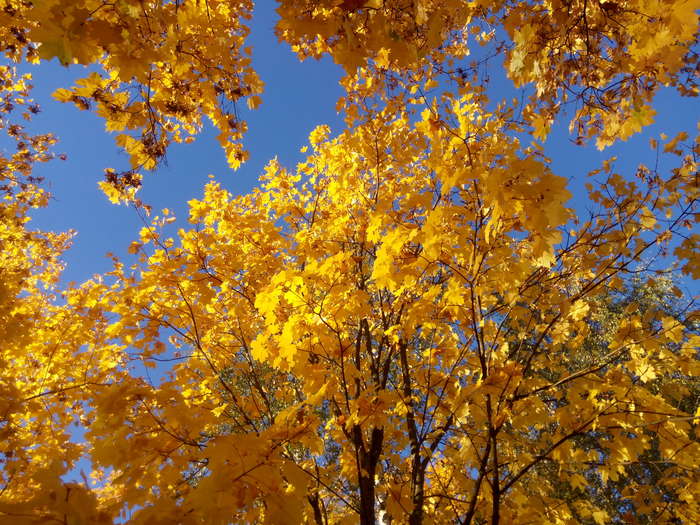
<point>411,326</point>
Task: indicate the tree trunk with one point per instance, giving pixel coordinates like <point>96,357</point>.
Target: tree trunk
<point>315,503</point>
<point>367,469</point>
<point>418,493</point>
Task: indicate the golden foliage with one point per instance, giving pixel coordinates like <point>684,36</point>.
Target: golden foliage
<point>406,325</point>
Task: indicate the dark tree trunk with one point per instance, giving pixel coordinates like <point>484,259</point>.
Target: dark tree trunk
<point>315,503</point>
<point>368,459</point>
<point>418,493</point>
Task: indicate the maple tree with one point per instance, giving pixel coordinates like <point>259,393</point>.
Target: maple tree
<point>407,327</point>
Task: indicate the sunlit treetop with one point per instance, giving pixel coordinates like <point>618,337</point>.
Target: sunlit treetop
<point>163,66</point>
<point>167,66</point>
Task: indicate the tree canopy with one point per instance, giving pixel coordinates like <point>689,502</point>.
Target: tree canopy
<point>413,325</point>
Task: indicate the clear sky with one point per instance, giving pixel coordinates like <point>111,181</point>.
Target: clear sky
<point>298,96</point>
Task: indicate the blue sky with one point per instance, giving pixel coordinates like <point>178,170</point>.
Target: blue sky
<point>298,97</point>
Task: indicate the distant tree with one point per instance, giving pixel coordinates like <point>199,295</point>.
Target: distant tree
<point>655,298</point>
